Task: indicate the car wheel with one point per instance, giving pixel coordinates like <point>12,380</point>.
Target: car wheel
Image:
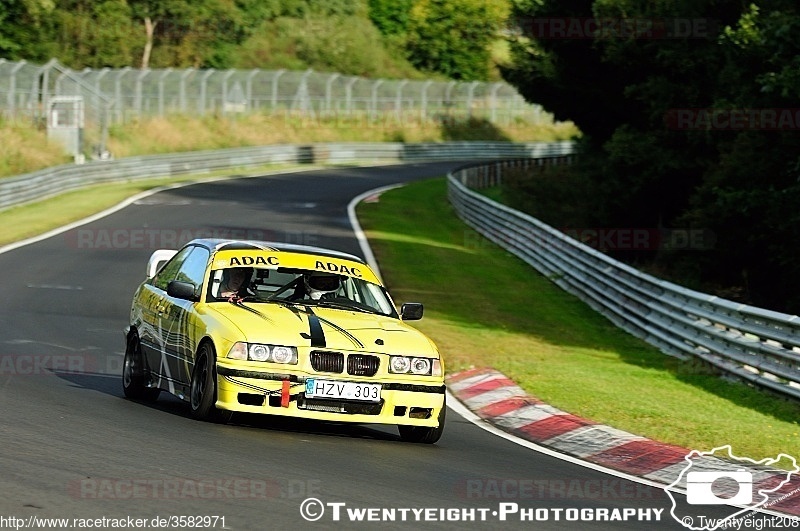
<point>203,388</point>
<point>133,373</point>
<point>422,434</point>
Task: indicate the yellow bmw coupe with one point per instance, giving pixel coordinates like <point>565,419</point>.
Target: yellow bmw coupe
<point>279,329</point>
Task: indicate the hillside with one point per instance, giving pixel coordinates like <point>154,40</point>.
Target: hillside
<point>371,38</point>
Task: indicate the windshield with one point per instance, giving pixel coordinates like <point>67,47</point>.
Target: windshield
<point>298,286</point>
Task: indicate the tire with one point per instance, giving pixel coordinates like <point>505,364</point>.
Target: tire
<point>203,388</point>
<point>133,373</point>
<point>422,434</point>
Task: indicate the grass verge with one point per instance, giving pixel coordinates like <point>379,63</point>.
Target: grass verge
<point>28,149</point>
<point>31,219</point>
<point>485,307</point>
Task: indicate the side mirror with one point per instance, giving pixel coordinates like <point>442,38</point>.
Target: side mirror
<point>181,290</point>
<point>411,311</point>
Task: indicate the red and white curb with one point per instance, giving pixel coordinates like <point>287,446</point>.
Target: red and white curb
<point>499,401</point>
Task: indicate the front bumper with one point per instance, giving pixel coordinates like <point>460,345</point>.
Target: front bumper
<point>412,403</point>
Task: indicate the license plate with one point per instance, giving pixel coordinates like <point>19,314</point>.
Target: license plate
<point>368,392</point>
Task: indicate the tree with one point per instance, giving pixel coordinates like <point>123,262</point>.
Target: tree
<point>95,34</point>
<point>639,166</point>
<point>22,24</point>
<point>155,12</point>
<point>391,16</point>
<point>452,37</point>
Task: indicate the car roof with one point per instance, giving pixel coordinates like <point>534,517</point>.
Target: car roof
<point>219,244</point>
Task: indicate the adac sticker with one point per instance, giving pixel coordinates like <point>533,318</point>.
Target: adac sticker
<point>342,269</point>
<point>238,261</point>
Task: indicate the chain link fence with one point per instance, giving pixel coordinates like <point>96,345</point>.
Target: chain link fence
<point>113,96</point>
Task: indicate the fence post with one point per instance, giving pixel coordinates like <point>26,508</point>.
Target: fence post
<point>161,80</point>
<point>275,79</point>
<point>118,94</point>
<point>249,87</point>
<point>202,106</point>
<point>225,79</point>
<point>398,101</point>
<point>493,101</point>
<point>302,97</point>
<point>182,90</point>
<point>98,104</point>
<point>349,95</point>
<point>137,98</point>
<point>374,103</point>
<point>328,95</point>
<point>319,93</point>
<point>12,90</point>
<point>470,96</point>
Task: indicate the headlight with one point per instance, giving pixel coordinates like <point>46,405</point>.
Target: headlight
<point>284,355</point>
<point>258,353</point>
<point>418,366</point>
<point>261,352</point>
<point>238,351</point>
<point>399,364</point>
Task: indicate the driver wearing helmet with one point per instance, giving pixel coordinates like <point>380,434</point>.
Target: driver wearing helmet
<point>319,284</point>
<point>235,283</point>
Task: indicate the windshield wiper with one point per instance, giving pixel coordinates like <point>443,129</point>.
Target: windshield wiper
<point>350,305</point>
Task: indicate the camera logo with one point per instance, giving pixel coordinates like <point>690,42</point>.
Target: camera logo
<point>737,486</point>
<point>702,488</point>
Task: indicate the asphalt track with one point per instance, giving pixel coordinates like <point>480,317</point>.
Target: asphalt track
<point>73,447</point>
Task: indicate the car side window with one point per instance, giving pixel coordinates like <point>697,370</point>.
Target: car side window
<point>171,268</point>
<point>194,268</point>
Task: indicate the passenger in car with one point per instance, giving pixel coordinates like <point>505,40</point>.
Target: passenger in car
<point>318,285</point>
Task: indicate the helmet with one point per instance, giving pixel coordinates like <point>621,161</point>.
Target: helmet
<point>246,272</point>
<point>319,284</point>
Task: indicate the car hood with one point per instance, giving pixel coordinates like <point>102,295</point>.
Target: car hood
<point>328,328</point>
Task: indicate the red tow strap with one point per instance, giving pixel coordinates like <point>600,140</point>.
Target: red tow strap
<point>285,394</point>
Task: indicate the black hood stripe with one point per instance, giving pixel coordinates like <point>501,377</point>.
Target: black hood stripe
<point>336,327</point>
<point>316,333</point>
<point>315,329</point>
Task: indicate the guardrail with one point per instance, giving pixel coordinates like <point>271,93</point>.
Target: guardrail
<point>52,181</point>
<point>757,345</point>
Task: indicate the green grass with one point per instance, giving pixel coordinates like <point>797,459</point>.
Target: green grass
<point>486,308</point>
